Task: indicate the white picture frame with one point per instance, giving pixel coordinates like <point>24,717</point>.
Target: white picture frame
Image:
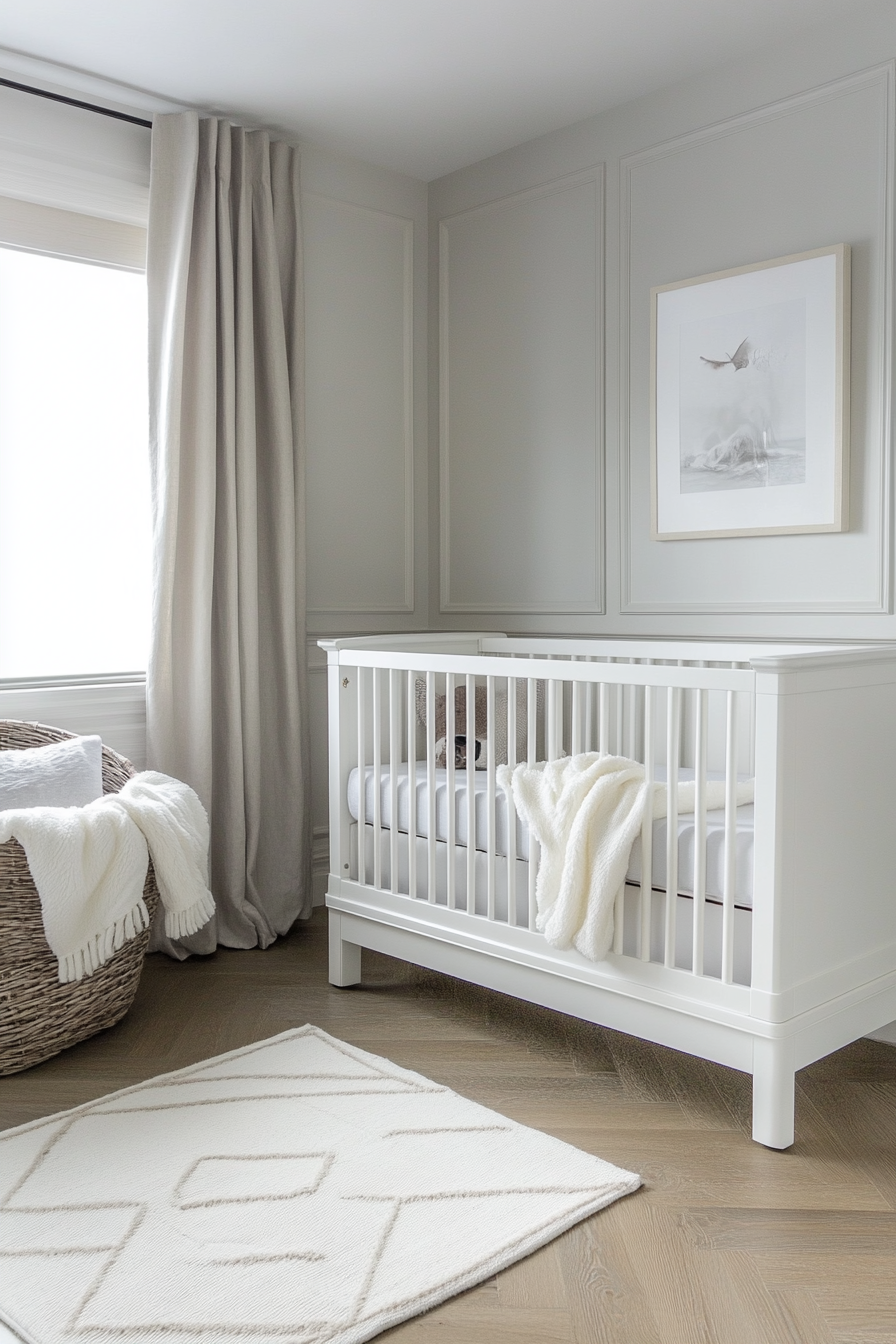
<point>749,399</point>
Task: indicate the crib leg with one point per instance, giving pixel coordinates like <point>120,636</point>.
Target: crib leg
<point>345,958</point>
<point>773,1093</point>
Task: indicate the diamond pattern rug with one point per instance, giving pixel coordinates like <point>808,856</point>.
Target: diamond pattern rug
<point>295,1190</point>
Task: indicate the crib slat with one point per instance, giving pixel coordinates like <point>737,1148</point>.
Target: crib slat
<point>531,748</point>
<point>673,746</point>
<point>646,893</point>
<point>700,741</point>
<point>377,782</point>
<point>412,783</point>
<point>394,759</point>
<point>512,684</point>
<point>729,890</point>
<point>577,744</point>
<point>631,703</point>
<point>555,716</point>
<point>362,779</point>
<point>450,774</point>
<point>603,716</point>
<point>531,720</point>
<point>490,794</point>
<point>470,729</point>
<point>589,713</point>
<point>431,787</point>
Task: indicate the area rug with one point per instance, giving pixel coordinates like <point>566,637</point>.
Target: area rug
<point>295,1190</point>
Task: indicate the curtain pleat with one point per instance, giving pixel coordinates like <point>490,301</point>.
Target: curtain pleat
<point>226,687</point>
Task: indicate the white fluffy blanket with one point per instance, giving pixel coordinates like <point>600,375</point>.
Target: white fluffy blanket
<point>586,812</point>
<point>89,867</point>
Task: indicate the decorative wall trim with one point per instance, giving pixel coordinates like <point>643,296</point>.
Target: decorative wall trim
<point>596,175</point>
<point>882,77</point>
<point>317,659</point>
<point>407,227</point>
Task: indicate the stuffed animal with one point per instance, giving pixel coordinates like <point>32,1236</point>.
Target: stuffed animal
<point>481,724</point>
<point>480,754</point>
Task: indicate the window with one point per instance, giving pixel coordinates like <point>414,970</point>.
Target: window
<point>74,480</point>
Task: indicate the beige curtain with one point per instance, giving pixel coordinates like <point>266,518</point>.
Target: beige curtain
<point>226,693</point>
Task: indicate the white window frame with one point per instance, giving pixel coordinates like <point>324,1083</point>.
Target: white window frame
<point>29,227</point>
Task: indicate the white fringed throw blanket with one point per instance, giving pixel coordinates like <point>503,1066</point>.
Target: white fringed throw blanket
<point>89,867</point>
<point>586,812</point>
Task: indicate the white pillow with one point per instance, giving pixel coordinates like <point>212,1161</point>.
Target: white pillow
<point>61,774</point>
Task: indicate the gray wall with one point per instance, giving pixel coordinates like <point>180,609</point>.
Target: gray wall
<point>366,338</point>
<point>542,259</point>
<point>365,314</point>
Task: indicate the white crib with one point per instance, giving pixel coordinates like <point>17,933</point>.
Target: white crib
<point>759,937</point>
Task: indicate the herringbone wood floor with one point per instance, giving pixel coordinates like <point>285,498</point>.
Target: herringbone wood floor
<point>727,1243</point>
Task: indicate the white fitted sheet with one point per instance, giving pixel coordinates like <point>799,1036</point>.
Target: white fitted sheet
<point>715,827</point>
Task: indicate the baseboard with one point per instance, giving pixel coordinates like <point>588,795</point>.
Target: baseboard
<point>887,1034</point>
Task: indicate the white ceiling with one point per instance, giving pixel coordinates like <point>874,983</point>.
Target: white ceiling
<point>422,86</point>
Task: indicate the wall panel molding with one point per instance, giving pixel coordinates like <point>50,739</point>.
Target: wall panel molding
<point>595,601</point>
<point>401,600</point>
<point>317,658</point>
<point>880,78</point>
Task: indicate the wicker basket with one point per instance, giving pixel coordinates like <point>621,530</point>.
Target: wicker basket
<point>38,1015</point>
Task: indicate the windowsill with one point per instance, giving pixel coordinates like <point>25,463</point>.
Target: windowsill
<point>95,679</point>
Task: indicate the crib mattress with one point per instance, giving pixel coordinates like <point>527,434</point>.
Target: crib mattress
<point>715,827</point>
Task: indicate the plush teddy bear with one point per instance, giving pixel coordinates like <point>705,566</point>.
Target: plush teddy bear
<point>481,724</point>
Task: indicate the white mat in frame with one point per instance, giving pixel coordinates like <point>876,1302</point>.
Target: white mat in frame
<point>297,1189</point>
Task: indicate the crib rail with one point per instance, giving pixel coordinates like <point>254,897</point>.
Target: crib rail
<point>622,672</point>
<point>421,736</point>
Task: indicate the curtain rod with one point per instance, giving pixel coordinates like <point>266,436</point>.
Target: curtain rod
<point>75,102</point>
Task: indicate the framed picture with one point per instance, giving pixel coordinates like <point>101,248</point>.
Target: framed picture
<point>749,414</point>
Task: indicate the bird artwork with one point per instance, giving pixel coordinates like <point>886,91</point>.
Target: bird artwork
<point>740,359</point>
